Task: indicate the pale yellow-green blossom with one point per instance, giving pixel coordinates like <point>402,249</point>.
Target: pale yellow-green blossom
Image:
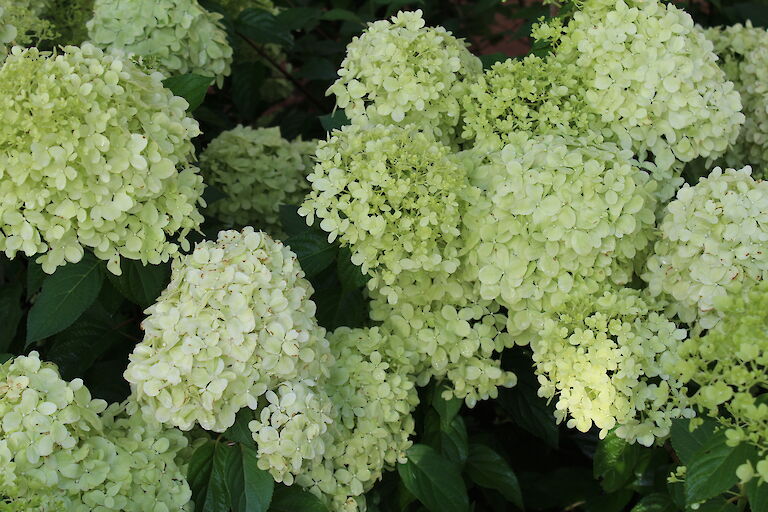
<point>258,171</point>
<point>610,361</point>
<point>95,154</point>
<point>236,328</point>
<point>712,234</point>
<point>177,36</point>
<point>743,51</point>
<point>730,366</point>
<point>399,71</point>
<point>555,211</point>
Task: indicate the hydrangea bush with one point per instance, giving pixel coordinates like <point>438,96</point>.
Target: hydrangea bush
<point>458,281</point>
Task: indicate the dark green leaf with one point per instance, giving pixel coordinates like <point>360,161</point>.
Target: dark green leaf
<point>656,502</point>
<point>341,15</point>
<point>294,499</point>
<point>318,69</point>
<point>291,222</point>
<point>239,432</point>
<point>492,58</point>
<point>757,493</point>
<point>337,306</point>
<point>250,488</point>
<point>191,87</point>
<point>5,357</point>
<point>523,404</point>
<point>612,502</point>
<point>435,481</point>
<point>76,348</point>
<point>615,462</point>
<point>10,313</point>
<point>688,443</point>
<point>263,27</point>
<point>199,472</point>
<point>313,250</point>
<point>247,78</point>
<point>334,121</point>
<point>65,296</point>
<point>488,469</point>
<point>35,278</point>
<point>450,440</point>
<point>713,469</point>
<point>349,274</point>
<point>447,409</point>
<point>299,18</point>
<point>141,284</point>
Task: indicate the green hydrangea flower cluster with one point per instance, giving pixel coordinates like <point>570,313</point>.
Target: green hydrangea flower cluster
<point>612,361</point>
<point>61,450</point>
<point>372,405</point>
<point>730,364</point>
<point>401,71</point>
<point>555,211</point>
<point>178,36</point>
<point>534,95</point>
<point>651,78</point>
<point>713,234</point>
<point>235,328</point>
<point>257,170</point>
<point>393,194</point>
<point>743,50</point>
<point>96,154</point>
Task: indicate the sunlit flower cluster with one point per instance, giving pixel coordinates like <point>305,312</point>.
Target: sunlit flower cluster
<point>611,361</point>
<point>743,51</point>
<point>713,234</point>
<point>177,36</point>
<point>96,154</point>
<point>555,211</point>
<point>730,364</point>
<point>258,171</point>
<point>401,71</point>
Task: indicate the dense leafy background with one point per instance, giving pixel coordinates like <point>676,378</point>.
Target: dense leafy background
<point>503,455</point>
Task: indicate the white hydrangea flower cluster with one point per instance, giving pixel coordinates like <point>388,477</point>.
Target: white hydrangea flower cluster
<point>612,360</point>
<point>743,50</point>
<point>61,450</point>
<point>651,78</point>
<point>372,419</point>
<point>177,36</point>
<point>401,71</point>
<point>713,234</point>
<point>234,328</point>
<point>393,194</point>
<point>258,170</point>
<point>96,154</point>
<point>555,211</point>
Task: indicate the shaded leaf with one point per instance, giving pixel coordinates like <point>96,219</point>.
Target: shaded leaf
<point>334,121</point>
<point>10,313</point>
<point>141,284</point>
<point>64,297</point>
<point>295,499</point>
<point>656,502</point>
<point>435,481</point>
<point>488,469</point>
<point>191,87</point>
<point>615,462</point>
<point>250,488</point>
<point>263,27</point>
<point>239,431</point>
<point>313,250</point>
<point>713,469</point>
<point>688,443</point>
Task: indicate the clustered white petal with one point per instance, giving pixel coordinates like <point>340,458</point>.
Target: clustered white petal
<point>176,36</point>
<point>96,155</point>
